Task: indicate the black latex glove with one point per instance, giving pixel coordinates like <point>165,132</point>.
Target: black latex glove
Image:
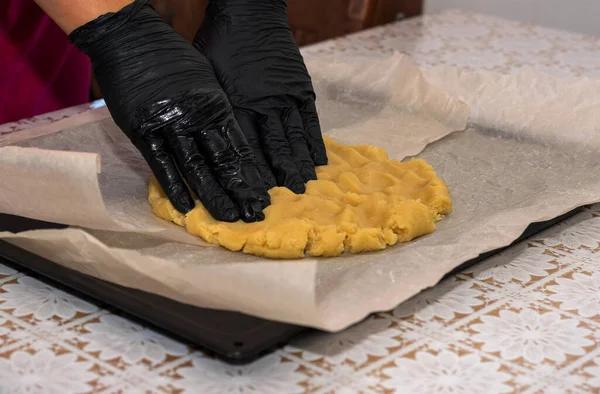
<point>258,64</point>
<point>164,95</point>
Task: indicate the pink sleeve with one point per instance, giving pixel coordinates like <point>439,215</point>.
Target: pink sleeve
<point>40,70</point>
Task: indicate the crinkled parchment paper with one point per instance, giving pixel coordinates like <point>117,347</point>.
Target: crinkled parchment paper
<point>512,166</point>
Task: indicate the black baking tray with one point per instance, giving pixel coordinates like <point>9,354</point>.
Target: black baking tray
<point>230,336</point>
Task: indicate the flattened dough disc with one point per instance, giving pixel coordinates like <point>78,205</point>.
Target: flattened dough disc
<point>362,201</point>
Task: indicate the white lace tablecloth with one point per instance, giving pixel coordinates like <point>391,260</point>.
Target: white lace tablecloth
<point>526,320</point>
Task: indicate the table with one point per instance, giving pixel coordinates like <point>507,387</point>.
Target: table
<point>526,320</point>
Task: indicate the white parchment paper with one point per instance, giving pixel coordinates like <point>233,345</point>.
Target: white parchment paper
<point>509,169</point>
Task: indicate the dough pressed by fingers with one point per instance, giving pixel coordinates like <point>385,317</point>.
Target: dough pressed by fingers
<point>362,201</point>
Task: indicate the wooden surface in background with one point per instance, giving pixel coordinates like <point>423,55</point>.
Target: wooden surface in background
<point>310,20</point>
<point>318,20</point>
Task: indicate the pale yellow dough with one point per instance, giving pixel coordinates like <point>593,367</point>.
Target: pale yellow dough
<point>362,201</point>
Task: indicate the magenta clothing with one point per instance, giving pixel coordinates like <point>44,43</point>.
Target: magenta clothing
<point>40,71</point>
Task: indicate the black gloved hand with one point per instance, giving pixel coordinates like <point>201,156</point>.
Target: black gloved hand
<point>258,64</point>
<point>163,94</point>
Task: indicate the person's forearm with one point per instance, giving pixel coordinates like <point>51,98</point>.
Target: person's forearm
<point>70,14</point>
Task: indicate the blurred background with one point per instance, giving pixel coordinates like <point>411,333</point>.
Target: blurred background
<point>580,16</point>
<point>318,20</point>
<point>38,61</point>
<point>311,20</point>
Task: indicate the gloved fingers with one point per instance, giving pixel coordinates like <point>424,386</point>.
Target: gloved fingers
<point>277,150</point>
<point>196,171</point>
<point>231,173</point>
<point>250,170</point>
<point>156,153</point>
<point>250,128</point>
<point>312,132</point>
<point>294,133</point>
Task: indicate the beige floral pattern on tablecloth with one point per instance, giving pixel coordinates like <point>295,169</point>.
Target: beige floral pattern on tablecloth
<point>526,320</point>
